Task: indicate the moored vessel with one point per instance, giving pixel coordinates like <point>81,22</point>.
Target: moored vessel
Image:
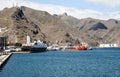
<point>38,47</point>
<point>78,47</point>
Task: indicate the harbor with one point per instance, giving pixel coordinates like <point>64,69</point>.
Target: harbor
<point>88,63</point>
<point>79,38</point>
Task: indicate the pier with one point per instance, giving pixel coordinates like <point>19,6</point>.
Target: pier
<point>21,52</point>
<point>3,58</point>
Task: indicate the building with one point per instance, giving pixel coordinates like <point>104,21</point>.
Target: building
<point>3,42</point>
<point>29,39</point>
<point>107,45</point>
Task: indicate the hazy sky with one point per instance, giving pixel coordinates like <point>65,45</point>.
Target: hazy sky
<point>98,5</point>
<point>100,9</point>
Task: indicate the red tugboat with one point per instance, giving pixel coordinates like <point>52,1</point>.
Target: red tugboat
<point>79,47</point>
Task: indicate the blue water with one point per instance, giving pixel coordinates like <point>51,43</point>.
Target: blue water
<point>90,63</point>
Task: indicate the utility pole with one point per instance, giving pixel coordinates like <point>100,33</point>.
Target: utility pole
<point>4,43</point>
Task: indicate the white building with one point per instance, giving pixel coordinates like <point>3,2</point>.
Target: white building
<point>0,30</point>
<point>108,45</point>
<point>29,39</point>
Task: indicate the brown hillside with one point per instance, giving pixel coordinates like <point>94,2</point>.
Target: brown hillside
<point>53,27</point>
<point>103,31</point>
<point>22,21</point>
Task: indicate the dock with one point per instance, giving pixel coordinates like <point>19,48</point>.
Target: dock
<point>22,52</point>
<point>3,58</point>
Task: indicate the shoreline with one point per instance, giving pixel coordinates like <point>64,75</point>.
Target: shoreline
<point>4,57</point>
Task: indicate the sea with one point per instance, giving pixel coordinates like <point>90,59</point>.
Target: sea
<point>89,63</point>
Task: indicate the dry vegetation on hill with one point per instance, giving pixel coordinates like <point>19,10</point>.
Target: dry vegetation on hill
<point>65,30</point>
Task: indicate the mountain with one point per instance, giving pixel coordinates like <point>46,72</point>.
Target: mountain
<point>18,26</point>
<point>69,20</point>
<point>110,32</point>
<point>103,31</point>
<point>113,34</point>
<point>19,22</point>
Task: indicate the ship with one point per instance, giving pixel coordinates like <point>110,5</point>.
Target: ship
<point>38,47</point>
<point>78,47</point>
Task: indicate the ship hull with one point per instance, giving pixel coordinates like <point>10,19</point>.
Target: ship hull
<point>26,48</point>
<point>35,50</point>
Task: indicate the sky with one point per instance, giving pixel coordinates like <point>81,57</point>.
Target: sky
<point>99,9</point>
<point>98,5</point>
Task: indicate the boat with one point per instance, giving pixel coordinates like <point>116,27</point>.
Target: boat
<point>54,47</point>
<point>38,47</point>
<point>78,47</point>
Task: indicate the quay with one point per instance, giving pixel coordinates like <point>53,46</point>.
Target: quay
<point>3,58</point>
<point>21,52</point>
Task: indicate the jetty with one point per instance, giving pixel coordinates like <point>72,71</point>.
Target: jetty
<point>3,58</point>
<point>21,52</point>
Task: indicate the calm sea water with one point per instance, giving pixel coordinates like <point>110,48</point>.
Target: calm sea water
<point>91,63</point>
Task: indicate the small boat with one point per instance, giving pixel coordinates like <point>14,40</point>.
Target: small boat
<point>38,47</point>
<point>54,47</point>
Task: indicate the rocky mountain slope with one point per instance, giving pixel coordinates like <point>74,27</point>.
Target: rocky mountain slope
<point>18,26</point>
<point>22,21</point>
<point>69,20</point>
<point>18,22</point>
<point>103,31</point>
